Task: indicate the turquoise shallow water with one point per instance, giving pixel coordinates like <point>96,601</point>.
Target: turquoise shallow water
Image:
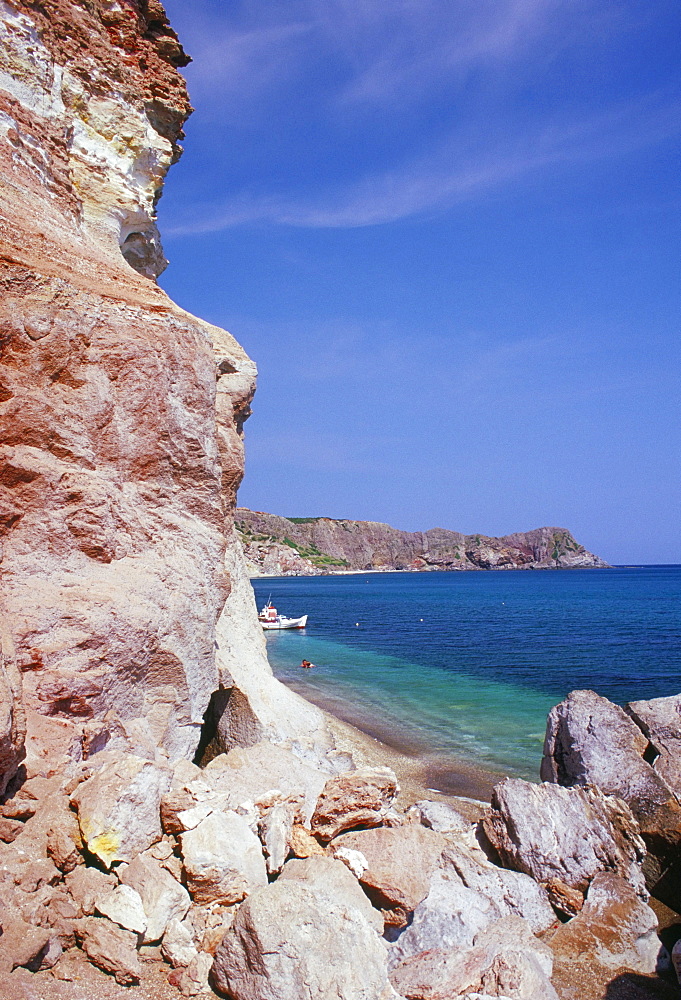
<point>467,665</point>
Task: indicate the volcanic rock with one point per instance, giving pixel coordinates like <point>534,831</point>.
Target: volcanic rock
<point>550,832</point>
<point>119,808</point>
<point>178,944</point>
<point>660,721</point>
<point>163,898</point>
<point>398,864</point>
<point>223,860</point>
<point>358,798</point>
<point>306,937</point>
<point>110,948</point>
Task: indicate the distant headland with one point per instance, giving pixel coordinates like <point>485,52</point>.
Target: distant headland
<point>312,546</point>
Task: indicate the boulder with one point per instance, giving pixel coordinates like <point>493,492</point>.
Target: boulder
<point>178,946</point>
<point>223,860</point>
<point>506,959</point>
<point>449,918</point>
<point>614,929</point>
<point>659,719</point>
<point>163,898</point>
<point>398,864</point>
<point>123,906</point>
<point>275,830</point>
<point>570,834</point>
<point>590,741</point>
<point>306,937</point>
<point>515,894</point>
<point>110,948</point>
<point>119,808</point>
<point>467,894</point>
<point>251,774</point>
<point>356,798</point>
<point>438,816</point>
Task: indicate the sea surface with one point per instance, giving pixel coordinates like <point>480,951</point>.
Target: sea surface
<point>467,665</point>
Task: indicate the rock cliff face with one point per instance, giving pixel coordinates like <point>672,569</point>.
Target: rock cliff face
<point>120,414</point>
<point>281,546</point>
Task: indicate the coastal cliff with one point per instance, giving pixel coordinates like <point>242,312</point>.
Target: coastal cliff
<point>310,546</point>
<point>289,864</point>
<point>121,415</point>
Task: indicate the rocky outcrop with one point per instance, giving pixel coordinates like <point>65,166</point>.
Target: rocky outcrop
<point>631,754</point>
<point>121,415</point>
<point>564,836</point>
<point>301,546</point>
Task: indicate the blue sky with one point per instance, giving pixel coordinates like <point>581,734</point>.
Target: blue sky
<point>449,235</point>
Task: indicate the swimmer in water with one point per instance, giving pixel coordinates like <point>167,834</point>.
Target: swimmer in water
<point>306,664</point>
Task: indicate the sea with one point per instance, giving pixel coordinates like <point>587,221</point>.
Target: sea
<point>465,666</point>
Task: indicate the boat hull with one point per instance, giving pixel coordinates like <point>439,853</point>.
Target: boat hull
<point>281,623</point>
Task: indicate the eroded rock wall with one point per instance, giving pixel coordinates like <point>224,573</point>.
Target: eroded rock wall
<point>120,414</point>
<point>282,546</point>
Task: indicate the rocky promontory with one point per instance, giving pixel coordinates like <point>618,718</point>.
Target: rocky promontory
<point>311,546</point>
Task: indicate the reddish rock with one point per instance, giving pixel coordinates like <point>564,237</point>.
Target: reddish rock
<point>356,798</point>
<point>117,474</point>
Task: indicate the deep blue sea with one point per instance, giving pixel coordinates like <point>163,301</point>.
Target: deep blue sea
<point>467,665</point>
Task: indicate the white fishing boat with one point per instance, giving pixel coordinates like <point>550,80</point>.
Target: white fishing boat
<point>269,618</point>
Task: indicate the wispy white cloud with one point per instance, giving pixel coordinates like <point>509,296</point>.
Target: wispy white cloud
<point>455,172</point>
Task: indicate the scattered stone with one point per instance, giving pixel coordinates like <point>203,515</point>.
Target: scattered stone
<point>178,944</point>
<point>563,898</point>
<point>86,884</point>
<point>398,864</point>
<point>118,808</point>
<point>614,929</point>
<point>19,808</point>
<point>356,798</point>
<point>71,966</point>
<point>550,832</point>
<point>275,829</point>
<point>306,937</point>
<point>22,944</point>
<point>438,816</point>
<point>10,829</point>
<point>223,859</point>
<point>162,897</point>
<point>64,843</point>
<point>303,844</point>
<point>124,907</point>
<point>111,948</point>
<point>194,978</point>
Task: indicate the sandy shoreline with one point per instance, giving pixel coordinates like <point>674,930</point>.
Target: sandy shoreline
<point>422,775</point>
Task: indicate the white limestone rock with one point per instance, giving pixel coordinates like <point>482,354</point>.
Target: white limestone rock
<point>568,834</point>
<point>223,860</point>
<point>306,937</point>
<point>124,907</point>
<point>118,808</point>
<point>162,897</point>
